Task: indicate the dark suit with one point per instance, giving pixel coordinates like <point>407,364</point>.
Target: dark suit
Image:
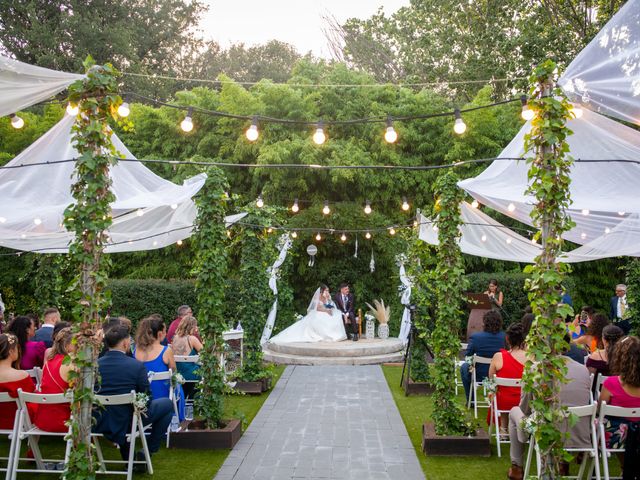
<point>482,344</point>
<point>121,374</point>
<point>347,307</point>
<point>44,334</point>
<point>613,315</point>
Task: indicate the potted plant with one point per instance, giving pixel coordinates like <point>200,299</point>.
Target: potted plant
<point>254,377</point>
<point>381,313</point>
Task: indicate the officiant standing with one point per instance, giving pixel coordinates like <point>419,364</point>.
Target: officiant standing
<point>345,301</point>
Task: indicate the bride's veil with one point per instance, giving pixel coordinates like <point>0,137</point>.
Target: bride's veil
<point>314,301</point>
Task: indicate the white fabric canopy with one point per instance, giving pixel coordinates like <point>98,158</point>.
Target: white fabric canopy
<point>149,212</point>
<point>603,194</point>
<point>606,74</point>
<point>23,85</point>
<point>405,300</point>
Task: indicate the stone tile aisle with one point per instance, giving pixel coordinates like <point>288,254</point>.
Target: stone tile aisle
<point>325,422</point>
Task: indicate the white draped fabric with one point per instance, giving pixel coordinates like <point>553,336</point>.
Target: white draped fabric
<point>604,195</point>
<point>23,85</point>
<point>606,74</point>
<point>148,212</point>
<point>273,271</point>
<point>405,300</point>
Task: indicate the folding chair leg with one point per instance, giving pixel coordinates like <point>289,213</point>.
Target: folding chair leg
<point>102,465</point>
<point>527,465</point>
<point>145,447</point>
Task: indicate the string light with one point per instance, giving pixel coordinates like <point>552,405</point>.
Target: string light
<point>483,238</point>
<point>319,136</point>
<point>37,221</point>
<point>367,207</point>
<point>294,234</point>
<point>459,126</point>
<point>583,235</point>
<point>16,121</point>
<point>511,207</point>
<point>124,110</point>
<point>179,242</point>
<point>318,237</point>
<point>259,202</point>
<point>252,132</point>
<point>269,230</point>
<point>174,206</point>
<point>405,204</point>
<point>326,210</point>
<point>607,230</point>
<point>343,237</point>
<point>621,214</point>
<point>229,233</point>
<point>155,243</point>
<point>533,241</point>
<point>367,235</point>
<point>72,109</point>
<point>390,135</point>
<point>187,124</point>
<point>526,114</point>
<point>585,211</point>
<point>139,212</point>
<point>295,208</point>
<point>475,203</point>
<point>392,231</point>
<point>509,240</point>
<point>576,110</point>
<point>3,220</point>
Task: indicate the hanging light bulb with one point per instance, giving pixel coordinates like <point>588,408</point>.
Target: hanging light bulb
<point>585,211</point>
<point>459,126</point>
<point>390,135</point>
<point>367,235</point>
<point>415,223</point>
<point>179,242</point>
<point>155,243</point>
<point>621,214</point>
<point>533,241</point>
<point>583,235</point>
<point>318,237</point>
<point>509,240</point>
<point>576,110</point>
<point>527,114</point>
<point>511,207</point>
<point>3,220</point>
<point>475,203</point>
<point>139,212</point>
<point>124,110</point>
<point>326,210</point>
<point>269,230</point>
<point>174,206</point>
<point>16,121</point>
<point>252,131</point>
<point>367,207</point>
<point>37,221</point>
<point>72,109</point>
<point>187,124</point>
<point>319,136</point>
<point>295,208</point>
<point>343,237</point>
<point>259,202</point>
<point>392,231</point>
<point>483,238</point>
<point>405,204</point>
<point>294,234</point>
<point>229,233</point>
<point>607,230</point>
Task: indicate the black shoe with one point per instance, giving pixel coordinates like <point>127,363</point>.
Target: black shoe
<point>140,467</point>
<point>355,337</point>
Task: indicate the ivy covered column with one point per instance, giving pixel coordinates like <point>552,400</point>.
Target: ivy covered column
<point>89,218</point>
<point>449,284</point>
<point>210,267</point>
<point>549,185</point>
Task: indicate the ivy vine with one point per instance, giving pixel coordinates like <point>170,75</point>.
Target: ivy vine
<point>449,283</point>
<point>549,185</point>
<point>89,218</point>
<point>210,267</point>
<point>632,280</point>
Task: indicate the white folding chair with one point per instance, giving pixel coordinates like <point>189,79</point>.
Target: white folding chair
<point>36,374</point>
<point>189,359</point>
<point>473,397</point>
<point>9,433</point>
<point>25,429</point>
<point>592,378</point>
<point>599,382</point>
<point>137,431</point>
<point>592,450</point>
<point>166,377</point>
<point>615,412</point>
<point>458,363</point>
<point>494,420</point>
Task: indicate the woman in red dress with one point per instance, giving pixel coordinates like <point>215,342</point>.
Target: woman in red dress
<point>509,364</point>
<point>55,379</point>
<point>11,379</point>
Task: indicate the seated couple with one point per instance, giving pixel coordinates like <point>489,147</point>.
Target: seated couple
<point>327,319</point>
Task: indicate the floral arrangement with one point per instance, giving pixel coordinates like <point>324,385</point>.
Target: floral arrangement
<point>141,402</point>
<point>469,361</point>
<point>368,316</point>
<point>380,312</point>
<point>489,385</point>
<point>176,379</point>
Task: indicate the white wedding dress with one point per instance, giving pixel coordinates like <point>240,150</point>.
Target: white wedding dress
<point>316,326</point>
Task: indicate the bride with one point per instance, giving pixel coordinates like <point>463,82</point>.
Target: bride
<point>322,322</point>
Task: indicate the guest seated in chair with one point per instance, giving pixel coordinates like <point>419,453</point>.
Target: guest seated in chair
<point>11,379</point>
<point>574,392</point>
<point>598,361</point>
<point>592,340</point>
<point>484,344</point>
<point>121,374</point>
<point>31,353</point>
<point>185,342</point>
<point>55,379</point>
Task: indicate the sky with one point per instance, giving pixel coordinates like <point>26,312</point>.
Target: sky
<point>298,22</point>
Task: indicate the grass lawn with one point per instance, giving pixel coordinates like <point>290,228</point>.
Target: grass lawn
<point>171,464</point>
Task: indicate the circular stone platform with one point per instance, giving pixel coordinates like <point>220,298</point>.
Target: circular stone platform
<point>362,352</point>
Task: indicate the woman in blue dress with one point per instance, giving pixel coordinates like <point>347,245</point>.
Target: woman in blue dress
<point>157,357</point>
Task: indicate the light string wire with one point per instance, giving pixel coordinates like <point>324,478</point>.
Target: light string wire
<point>329,85</point>
<point>317,166</point>
<point>325,230</point>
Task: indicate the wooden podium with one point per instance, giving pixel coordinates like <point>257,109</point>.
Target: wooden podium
<point>478,304</point>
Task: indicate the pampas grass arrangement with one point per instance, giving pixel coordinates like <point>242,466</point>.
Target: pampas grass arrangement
<point>381,312</point>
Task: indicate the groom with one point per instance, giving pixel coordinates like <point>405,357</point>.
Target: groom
<point>345,301</point>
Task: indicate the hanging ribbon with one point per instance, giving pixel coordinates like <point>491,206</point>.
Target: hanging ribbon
<point>405,299</point>
<point>355,255</point>
<point>273,271</point>
<point>312,250</point>
<point>372,263</point>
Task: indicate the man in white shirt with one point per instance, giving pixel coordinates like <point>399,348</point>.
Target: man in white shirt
<point>619,308</point>
<point>45,332</point>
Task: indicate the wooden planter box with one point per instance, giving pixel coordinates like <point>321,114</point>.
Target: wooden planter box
<point>448,446</point>
<point>192,436</point>
<point>254,388</point>
<point>418,388</point>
